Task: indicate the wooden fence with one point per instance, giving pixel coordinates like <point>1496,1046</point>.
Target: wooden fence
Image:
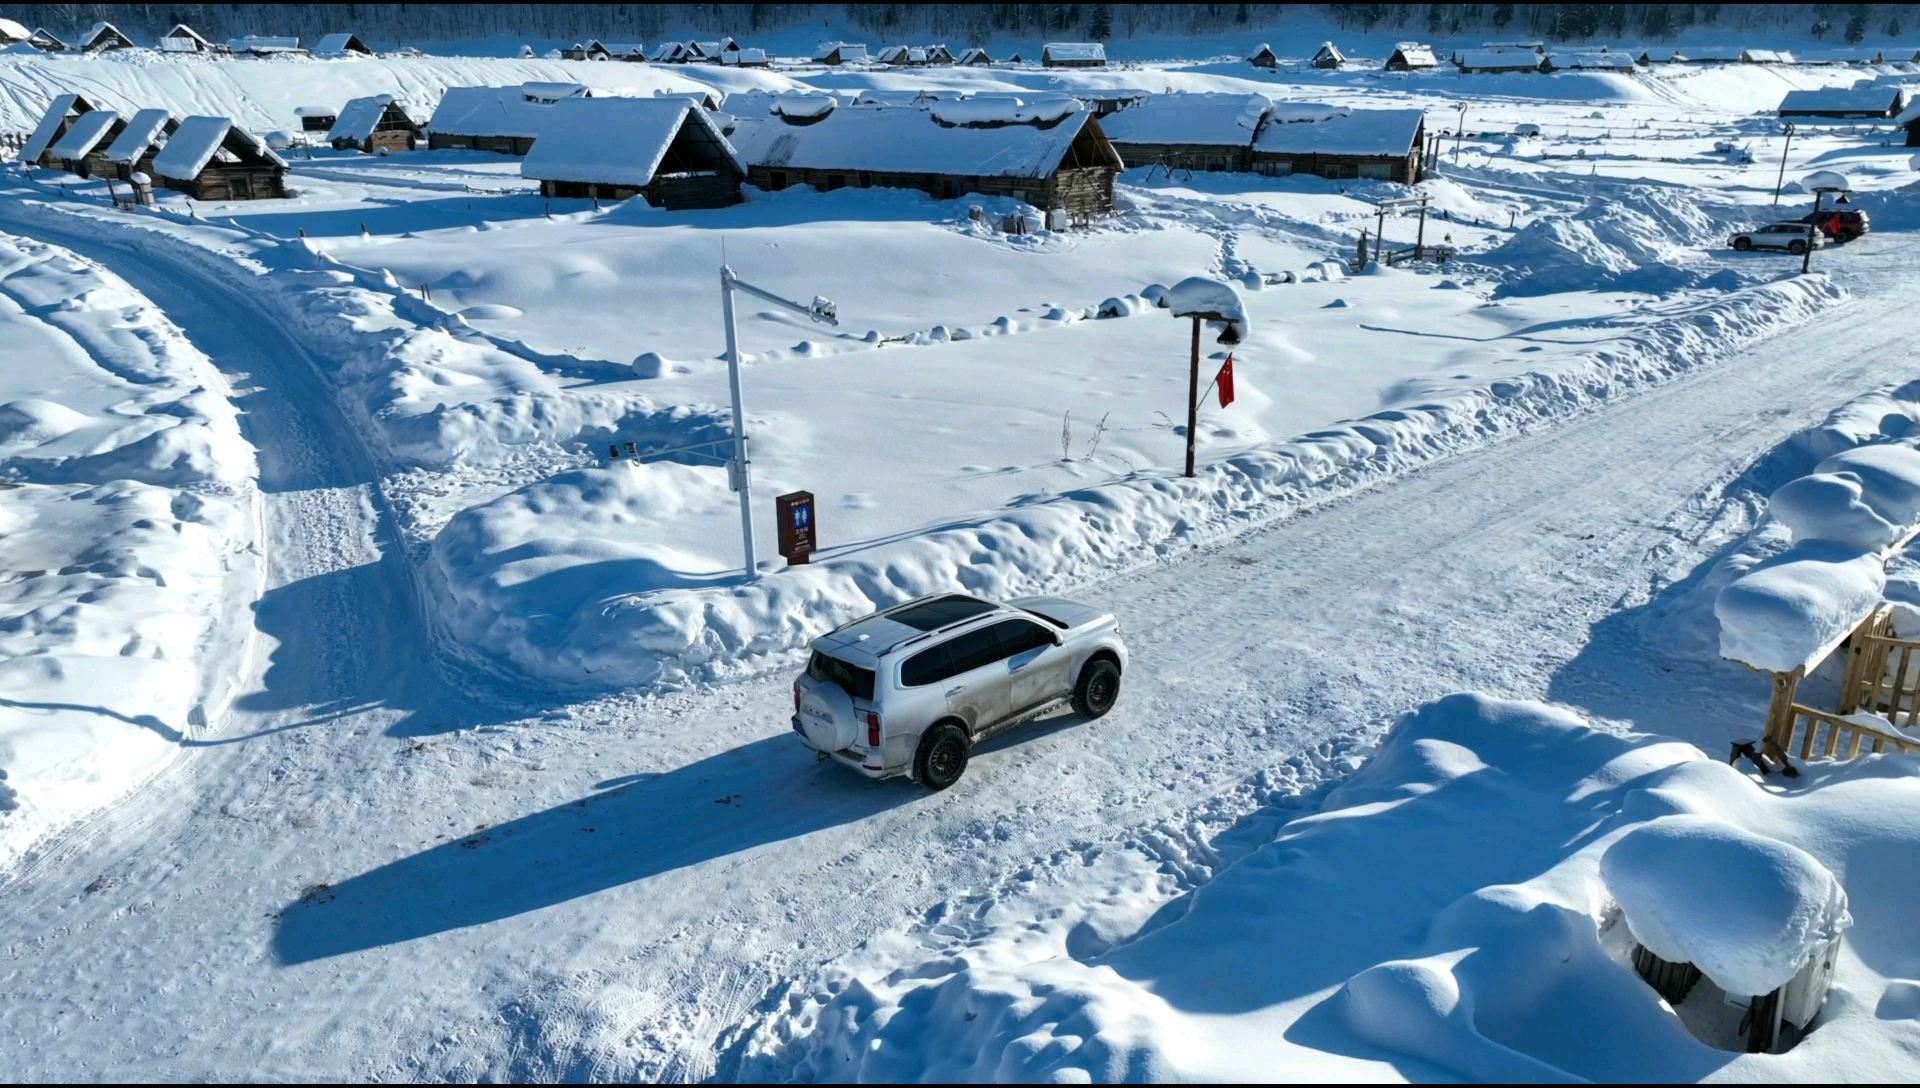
<point>1879,694</point>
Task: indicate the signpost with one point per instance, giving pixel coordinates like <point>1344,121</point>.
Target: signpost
<point>794,516</point>
<point>738,475</point>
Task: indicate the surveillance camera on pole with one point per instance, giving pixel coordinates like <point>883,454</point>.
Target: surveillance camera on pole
<point>739,477</point>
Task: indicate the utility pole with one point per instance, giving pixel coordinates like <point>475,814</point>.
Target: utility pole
<point>1813,224</point>
<point>739,475</point>
<point>1459,131</point>
<point>1782,179</point>
<point>1193,394</point>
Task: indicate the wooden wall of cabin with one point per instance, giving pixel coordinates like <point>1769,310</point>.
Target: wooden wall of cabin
<point>1089,192</point>
<point>1185,156</point>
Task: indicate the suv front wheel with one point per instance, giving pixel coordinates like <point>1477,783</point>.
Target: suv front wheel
<point>1098,689</point>
<point>942,757</point>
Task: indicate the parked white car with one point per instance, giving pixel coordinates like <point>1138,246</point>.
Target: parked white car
<point>1792,237</point>
<point>911,690</point>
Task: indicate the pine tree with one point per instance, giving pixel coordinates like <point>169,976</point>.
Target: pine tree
<point>1894,25</point>
<point>1434,16</point>
<point>1100,27</point>
<point>1502,15</point>
<point>1856,24</point>
<point>1242,15</point>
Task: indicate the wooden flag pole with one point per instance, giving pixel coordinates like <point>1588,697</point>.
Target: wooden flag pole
<point>1193,394</point>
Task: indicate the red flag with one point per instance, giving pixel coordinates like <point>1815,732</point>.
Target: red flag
<point>1226,381</point>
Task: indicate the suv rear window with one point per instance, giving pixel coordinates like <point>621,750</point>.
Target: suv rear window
<point>853,679</point>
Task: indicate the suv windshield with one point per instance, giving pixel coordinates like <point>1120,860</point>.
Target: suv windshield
<point>853,679</point>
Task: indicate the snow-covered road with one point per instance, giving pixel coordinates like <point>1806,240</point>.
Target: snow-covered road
<point>378,868</point>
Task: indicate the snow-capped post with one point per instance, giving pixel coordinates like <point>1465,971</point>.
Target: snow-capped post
<point>738,476</point>
<point>1204,299</point>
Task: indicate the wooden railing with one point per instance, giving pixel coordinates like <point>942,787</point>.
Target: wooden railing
<point>1879,694</point>
<point>1824,735</point>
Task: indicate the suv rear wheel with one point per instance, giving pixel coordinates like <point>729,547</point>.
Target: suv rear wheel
<point>1743,244</point>
<point>942,756</point>
<point>1797,247</point>
<point>1098,688</point>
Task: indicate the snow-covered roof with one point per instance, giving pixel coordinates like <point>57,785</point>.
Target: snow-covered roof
<point>173,44</point>
<point>252,44</point>
<point>1866,98</point>
<point>84,134</point>
<point>316,111</point>
<point>489,111</point>
<point>139,135</point>
<point>975,55</point>
<point>50,124</point>
<point>1213,120</point>
<point>1416,55</point>
<point>899,139</point>
<point>1664,54</point>
<point>358,118</point>
<point>755,55</point>
<point>666,51</point>
<point>1515,47</point>
<point>1846,54</point>
<point>102,32</point>
<point>1359,132</point>
<point>1329,51</point>
<point>1768,56</point>
<point>1727,53</point>
<point>182,30</point>
<point>615,141</point>
<point>340,43</point>
<point>552,92</point>
<point>1518,60</point>
<point>11,31</point>
<point>1602,61</point>
<point>1086,51</point>
<point>902,54</point>
<point>1907,116</point>
<point>1199,295</point>
<point>198,139</point>
<point>625,49</point>
<point>847,50</point>
<point>42,36</point>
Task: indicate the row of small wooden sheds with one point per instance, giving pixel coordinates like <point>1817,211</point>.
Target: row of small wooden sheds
<point>210,158</point>
<point>105,37</point>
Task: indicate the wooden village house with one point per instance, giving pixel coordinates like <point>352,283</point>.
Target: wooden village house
<point>1867,101</point>
<point>1050,153</point>
<point>184,39</point>
<point>1265,57</point>
<point>46,41</point>
<point>342,45</point>
<point>133,151</point>
<point>375,124</point>
<point>974,57</point>
<point>316,118</point>
<point>1073,55</point>
<point>1499,61</point>
<point>1382,144</point>
<point>1189,131</point>
<point>1328,56</point>
<point>104,37</point>
<point>61,113</point>
<point>211,158</point>
<point>834,54</point>
<point>89,131</point>
<point>1907,119</point>
<point>1412,57</point>
<point>12,33</point>
<point>503,120</point>
<point>666,150</point>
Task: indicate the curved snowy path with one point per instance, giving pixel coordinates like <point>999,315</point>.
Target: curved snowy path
<point>370,875</point>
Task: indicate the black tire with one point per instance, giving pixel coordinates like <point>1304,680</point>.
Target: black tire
<point>1098,688</point>
<point>1743,244</point>
<point>942,756</point>
<point>1796,247</point>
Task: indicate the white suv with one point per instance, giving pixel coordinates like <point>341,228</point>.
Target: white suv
<point>911,690</point>
<point>1792,237</point>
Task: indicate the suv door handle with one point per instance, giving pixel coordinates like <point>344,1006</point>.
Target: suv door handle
<point>955,690</point>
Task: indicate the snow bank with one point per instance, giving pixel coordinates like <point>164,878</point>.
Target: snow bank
<point>1749,911</point>
<point>1791,611</point>
<point>1830,506</point>
<point>126,532</point>
<point>1444,915</point>
<point>1640,240</point>
<point>672,625</point>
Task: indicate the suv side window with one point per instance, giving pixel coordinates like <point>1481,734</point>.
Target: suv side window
<point>1018,636</point>
<point>972,650</point>
<point>929,666</point>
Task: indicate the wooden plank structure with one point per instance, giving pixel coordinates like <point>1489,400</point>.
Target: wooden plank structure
<point>341,44</point>
<point>1879,697</point>
<point>316,118</point>
<point>375,124</point>
<point>1412,57</point>
<point>184,39</point>
<point>103,37</point>
<point>1328,56</point>
<point>1265,57</point>
<point>1073,55</point>
<point>88,134</point>
<point>211,158</point>
<point>46,41</point>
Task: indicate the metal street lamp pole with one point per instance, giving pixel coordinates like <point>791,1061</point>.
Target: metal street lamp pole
<point>1782,179</point>
<point>1459,131</point>
<point>1813,224</point>
<point>738,469</point>
<point>1193,394</point>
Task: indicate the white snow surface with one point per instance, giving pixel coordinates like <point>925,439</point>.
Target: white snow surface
<point>1748,910</point>
<point>138,137</point>
<point>84,134</point>
<point>1443,914</point>
<point>126,531</point>
<point>1790,611</point>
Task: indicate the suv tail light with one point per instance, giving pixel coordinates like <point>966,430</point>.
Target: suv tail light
<point>873,729</point>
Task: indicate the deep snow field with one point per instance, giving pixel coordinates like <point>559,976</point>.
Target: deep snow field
<point>499,724</point>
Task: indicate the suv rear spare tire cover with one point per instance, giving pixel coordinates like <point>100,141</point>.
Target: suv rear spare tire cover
<point>826,716</point>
